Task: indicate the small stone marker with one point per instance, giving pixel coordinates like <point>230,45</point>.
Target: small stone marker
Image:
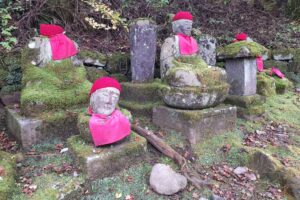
<point>207,49</point>
<point>241,73</point>
<point>164,180</point>
<point>143,50</point>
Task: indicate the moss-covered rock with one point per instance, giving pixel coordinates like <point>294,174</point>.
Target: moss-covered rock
<point>140,108</point>
<point>254,110</point>
<point>283,66</point>
<point>245,101</point>
<point>84,54</point>
<point>242,49</point>
<point>195,97</point>
<point>283,54</point>
<point>106,160</point>
<point>7,183</point>
<point>94,73</point>
<point>265,85</point>
<point>56,86</point>
<point>282,85</point>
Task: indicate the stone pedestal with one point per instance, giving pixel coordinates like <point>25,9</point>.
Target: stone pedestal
<point>107,160</point>
<point>143,50</point>
<point>196,124</point>
<point>140,98</point>
<point>30,131</point>
<point>241,75</point>
<point>207,49</point>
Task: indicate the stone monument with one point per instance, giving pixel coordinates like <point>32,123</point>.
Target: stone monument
<point>241,67</point>
<point>105,127</point>
<point>193,88</point>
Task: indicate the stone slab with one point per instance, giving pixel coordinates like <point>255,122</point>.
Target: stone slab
<point>241,75</point>
<point>29,131</point>
<point>143,50</point>
<point>196,124</point>
<point>105,161</point>
<point>207,49</point>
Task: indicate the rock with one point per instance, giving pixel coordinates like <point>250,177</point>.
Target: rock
<point>207,49</point>
<point>164,180</point>
<point>281,57</point>
<point>260,132</point>
<point>240,170</point>
<point>143,50</point>
<point>184,78</point>
<point>11,99</point>
<point>216,197</point>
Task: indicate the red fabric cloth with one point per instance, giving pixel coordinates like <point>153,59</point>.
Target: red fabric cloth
<point>260,63</point>
<point>105,82</point>
<point>187,45</point>
<point>62,47</point>
<point>183,15</point>
<point>277,72</point>
<point>109,129</point>
<point>241,36</point>
<point>50,30</point>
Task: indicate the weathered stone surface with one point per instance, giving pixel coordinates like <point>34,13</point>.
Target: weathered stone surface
<point>196,124</point>
<point>282,57</point>
<point>31,131</point>
<point>245,101</point>
<point>241,75</point>
<point>143,50</point>
<point>107,160</point>
<point>184,78</point>
<point>195,97</point>
<point>207,49</point>
<point>164,180</point>
<point>11,99</point>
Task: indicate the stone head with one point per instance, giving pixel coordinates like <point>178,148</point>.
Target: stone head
<point>104,95</point>
<point>182,23</point>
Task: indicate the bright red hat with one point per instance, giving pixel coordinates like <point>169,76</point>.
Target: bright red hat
<point>105,82</point>
<point>49,30</point>
<point>183,15</point>
<point>241,36</point>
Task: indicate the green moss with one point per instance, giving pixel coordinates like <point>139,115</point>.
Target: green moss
<point>79,146</point>
<point>140,108</point>
<point>7,161</point>
<point>265,85</point>
<point>244,101</point>
<point>120,77</point>
<point>94,73</point>
<point>57,86</point>
<point>284,108</point>
<point>118,62</point>
<point>282,85</point>
<point>283,52</point>
<point>93,55</point>
<point>255,110</point>
<point>283,66</point>
<point>9,89</point>
<point>233,50</point>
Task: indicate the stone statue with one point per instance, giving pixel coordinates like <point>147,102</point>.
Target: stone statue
<point>181,43</point>
<point>192,83</point>
<point>107,124</point>
<point>52,45</point>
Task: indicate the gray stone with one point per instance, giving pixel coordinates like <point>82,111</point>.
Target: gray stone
<point>29,131</point>
<point>164,180</point>
<point>195,97</point>
<point>207,49</point>
<point>241,75</point>
<point>143,50</point>
<point>184,78</point>
<point>107,160</point>
<point>281,57</point>
<point>196,124</point>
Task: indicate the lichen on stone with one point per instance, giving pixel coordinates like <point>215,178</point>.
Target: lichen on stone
<point>233,50</point>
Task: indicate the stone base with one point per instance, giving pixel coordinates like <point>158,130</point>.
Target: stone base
<point>196,124</point>
<point>140,98</point>
<point>107,160</point>
<point>30,131</point>
<point>247,106</point>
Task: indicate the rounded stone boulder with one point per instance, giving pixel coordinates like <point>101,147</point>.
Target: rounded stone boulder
<point>195,97</point>
<point>164,180</point>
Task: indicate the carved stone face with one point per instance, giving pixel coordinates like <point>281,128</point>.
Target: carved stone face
<point>182,26</point>
<point>104,100</point>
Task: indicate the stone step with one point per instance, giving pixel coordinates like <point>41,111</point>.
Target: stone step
<point>100,162</point>
<point>195,125</point>
<point>245,101</point>
<point>140,108</point>
<point>141,92</point>
<point>29,131</point>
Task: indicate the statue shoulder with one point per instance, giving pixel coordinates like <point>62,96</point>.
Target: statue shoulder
<point>170,40</point>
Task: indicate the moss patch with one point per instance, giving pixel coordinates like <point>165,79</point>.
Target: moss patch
<point>140,109</point>
<point>57,86</point>
<point>233,50</point>
<point>119,62</point>
<point>282,85</point>
<point>283,66</point>
<point>94,73</point>
<point>84,54</point>
<point>265,85</point>
<point>7,161</point>
<point>3,75</point>
<point>244,101</point>
<point>120,77</point>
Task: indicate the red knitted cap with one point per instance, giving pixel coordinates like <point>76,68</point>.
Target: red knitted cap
<point>49,30</point>
<point>105,82</point>
<point>241,36</point>
<point>183,15</point>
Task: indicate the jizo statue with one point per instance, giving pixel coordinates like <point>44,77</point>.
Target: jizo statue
<point>52,45</point>
<point>107,124</point>
<point>180,44</point>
